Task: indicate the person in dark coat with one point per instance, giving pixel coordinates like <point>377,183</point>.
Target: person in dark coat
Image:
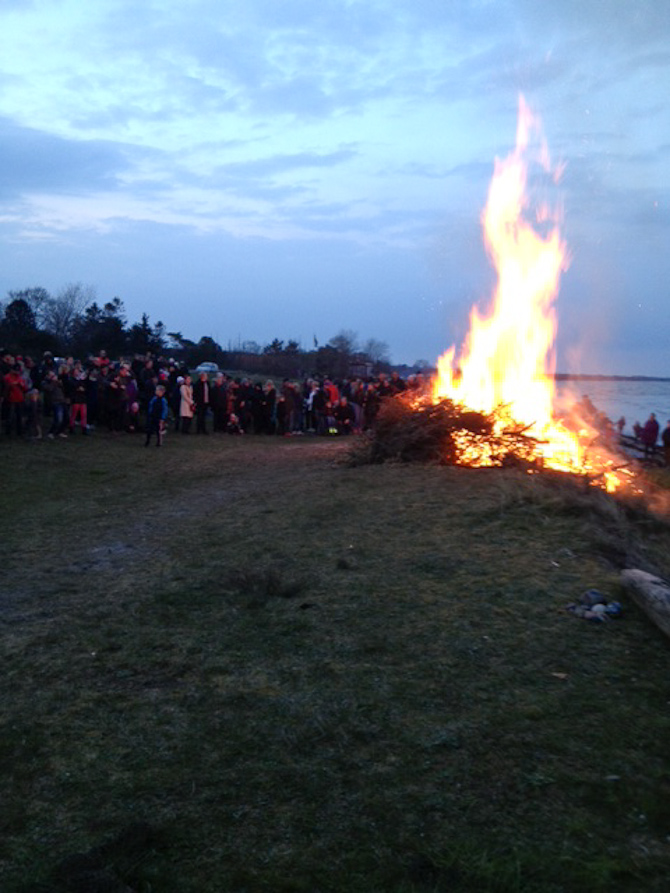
<point>269,408</point>
<point>52,387</point>
<point>344,416</point>
<point>201,391</point>
<point>218,400</point>
<point>256,405</point>
<point>649,436</point>
<point>665,437</point>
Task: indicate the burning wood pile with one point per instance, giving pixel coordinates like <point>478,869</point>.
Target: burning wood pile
<point>421,429</point>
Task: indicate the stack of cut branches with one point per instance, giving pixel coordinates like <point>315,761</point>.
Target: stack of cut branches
<point>443,432</point>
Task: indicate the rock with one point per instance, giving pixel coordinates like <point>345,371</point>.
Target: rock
<point>593,597</point>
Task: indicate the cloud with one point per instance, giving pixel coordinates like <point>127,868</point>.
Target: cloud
<point>32,161</point>
<point>278,164</point>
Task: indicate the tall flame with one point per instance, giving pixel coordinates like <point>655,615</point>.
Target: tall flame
<point>507,362</point>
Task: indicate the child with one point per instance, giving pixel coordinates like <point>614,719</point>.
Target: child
<point>233,426</point>
<point>78,409</point>
<point>157,413</point>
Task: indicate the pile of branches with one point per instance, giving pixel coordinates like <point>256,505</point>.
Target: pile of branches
<point>411,430</point>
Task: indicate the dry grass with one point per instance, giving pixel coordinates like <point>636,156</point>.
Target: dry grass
<point>307,676</point>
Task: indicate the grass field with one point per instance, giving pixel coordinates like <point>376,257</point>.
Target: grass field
<point>240,665</point>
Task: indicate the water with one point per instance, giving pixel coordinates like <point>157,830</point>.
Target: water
<point>633,400</point>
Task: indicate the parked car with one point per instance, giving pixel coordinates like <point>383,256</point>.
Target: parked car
<point>207,367</point>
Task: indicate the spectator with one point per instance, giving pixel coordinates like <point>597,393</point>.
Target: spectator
<point>14,389</point>
<point>649,436</point>
<point>269,408</point>
<point>201,401</point>
<point>665,437</point>
<point>175,401</point>
<point>52,388</point>
<point>77,384</point>
<point>186,405</point>
<point>344,416</point>
<point>157,413</point>
<point>218,400</point>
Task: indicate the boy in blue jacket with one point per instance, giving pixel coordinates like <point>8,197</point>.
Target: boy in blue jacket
<point>157,413</point>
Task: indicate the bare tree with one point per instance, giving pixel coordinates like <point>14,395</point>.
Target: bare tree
<point>423,366</point>
<point>346,341</point>
<point>38,299</point>
<point>376,351</point>
<point>66,309</point>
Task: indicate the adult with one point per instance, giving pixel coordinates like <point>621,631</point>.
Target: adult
<point>243,394</point>
<point>397,385</point>
<point>665,437</point>
<point>201,391</point>
<point>52,388</point>
<point>256,407</point>
<point>649,436</point>
<point>186,405</point>
<point>218,400</point>
<point>357,402</point>
<point>174,400</point>
<point>290,420</point>
<point>116,401</point>
<point>269,408</point>
<point>315,408</point>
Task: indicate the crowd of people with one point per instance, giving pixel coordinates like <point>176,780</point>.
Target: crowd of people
<point>60,397</point>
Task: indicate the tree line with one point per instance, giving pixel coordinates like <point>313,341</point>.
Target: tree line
<point>72,322</point>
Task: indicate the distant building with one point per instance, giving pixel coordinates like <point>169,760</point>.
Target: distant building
<point>360,369</point>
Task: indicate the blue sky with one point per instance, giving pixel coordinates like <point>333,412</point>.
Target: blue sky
<point>261,169</point>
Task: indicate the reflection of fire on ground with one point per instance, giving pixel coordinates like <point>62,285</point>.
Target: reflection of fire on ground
<point>505,369</point>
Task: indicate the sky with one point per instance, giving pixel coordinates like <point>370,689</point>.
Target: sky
<point>261,169</point>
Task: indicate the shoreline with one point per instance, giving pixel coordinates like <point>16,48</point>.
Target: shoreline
<point>569,376</point>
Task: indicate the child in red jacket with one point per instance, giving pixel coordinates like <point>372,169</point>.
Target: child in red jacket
<point>14,392</point>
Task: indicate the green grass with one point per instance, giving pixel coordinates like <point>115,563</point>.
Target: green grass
<point>310,677</point>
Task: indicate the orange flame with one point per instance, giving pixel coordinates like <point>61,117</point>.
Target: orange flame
<point>506,366</point>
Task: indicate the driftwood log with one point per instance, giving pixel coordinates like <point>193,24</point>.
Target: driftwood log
<point>650,593</point>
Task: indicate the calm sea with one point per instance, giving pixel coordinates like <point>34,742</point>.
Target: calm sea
<point>633,400</point>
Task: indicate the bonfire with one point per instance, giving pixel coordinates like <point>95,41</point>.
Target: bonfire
<point>494,402</point>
